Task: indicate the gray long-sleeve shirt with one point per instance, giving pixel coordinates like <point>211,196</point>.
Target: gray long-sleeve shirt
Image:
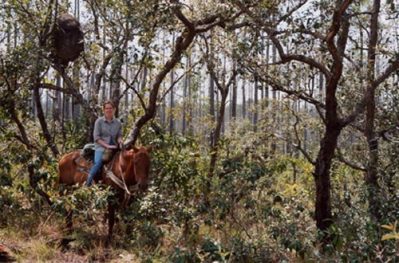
<point>108,131</point>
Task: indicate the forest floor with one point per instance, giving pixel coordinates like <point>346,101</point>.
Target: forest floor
<point>42,243</point>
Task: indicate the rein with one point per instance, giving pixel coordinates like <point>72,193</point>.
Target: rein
<point>109,174</point>
<point>81,168</point>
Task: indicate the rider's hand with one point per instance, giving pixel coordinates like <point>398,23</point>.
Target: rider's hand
<point>112,147</point>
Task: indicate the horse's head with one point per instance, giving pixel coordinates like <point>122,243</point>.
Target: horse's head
<point>139,165</point>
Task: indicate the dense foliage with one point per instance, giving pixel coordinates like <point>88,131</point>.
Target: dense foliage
<point>251,108</point>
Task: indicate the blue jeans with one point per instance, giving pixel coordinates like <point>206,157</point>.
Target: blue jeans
<point>98,162</point>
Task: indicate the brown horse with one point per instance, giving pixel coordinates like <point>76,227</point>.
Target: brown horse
<point>129,168</point>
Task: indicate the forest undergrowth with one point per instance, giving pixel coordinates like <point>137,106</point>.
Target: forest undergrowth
<point>258,207</point>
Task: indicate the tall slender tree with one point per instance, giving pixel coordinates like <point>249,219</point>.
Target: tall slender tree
<point>331,64</point>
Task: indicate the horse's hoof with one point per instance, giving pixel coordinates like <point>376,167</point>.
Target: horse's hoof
<point>64,243</point>
<point>6,254</point>
<point>108,241</point>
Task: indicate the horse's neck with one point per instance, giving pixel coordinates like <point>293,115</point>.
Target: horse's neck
<point>123,166</point>
<point>118,164</point>
<point>122,161</point>
<point>114,163</point>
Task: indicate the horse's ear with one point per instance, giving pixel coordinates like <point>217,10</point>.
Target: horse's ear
<point>135,149</point>
<point>149,148</point>
<point>130,153</point>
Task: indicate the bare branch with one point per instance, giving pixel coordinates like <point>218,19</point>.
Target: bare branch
<point>291,11</point>
<point>177,11</point>
<point>284,56</point>
<point>178,79</point>
<point>334,29</point>
<point>352,165</point>
<point>296,93</point>
<point>298,145</point>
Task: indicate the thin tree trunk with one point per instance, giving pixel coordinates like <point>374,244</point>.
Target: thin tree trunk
<point>182,43</point>
<point>372,139</point>
<point>191,104</point>
<point>42,120</point>
<point>185,98</point>
<point>255,116</point>
<point>212,99</point>
<point>56,105</point>
<point>40,114</point>
<point>25,140</point>
<point>75,109</point>
<point>217,132</point>
<point>234,98</point>
<point>171,105</point>
<point>244,105</point>
<point>274,100</point>
<point>115,79</point>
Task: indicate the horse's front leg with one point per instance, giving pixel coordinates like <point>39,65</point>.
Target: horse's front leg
<point>64,242</point>
<point>111,220</point>
<point>69,223</point>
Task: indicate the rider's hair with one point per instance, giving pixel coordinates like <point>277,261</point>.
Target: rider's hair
<point>109,103</point>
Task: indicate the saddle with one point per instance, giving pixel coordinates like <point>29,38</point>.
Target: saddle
<point>88,153</point>
<point>86,160</point>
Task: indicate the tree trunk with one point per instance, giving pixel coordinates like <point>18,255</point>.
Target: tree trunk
<point>25,140</point>
<point>75,108</point>
<point>182,43</point>
<point>217,132</point>
<point>191,104</point>
<point>255,116</point>
<point>56,105</point>
<point>185,98</point>
<point>372,139</point>
<point>43,123</point>
<point>212,99</point>
<point>115,79</point>
<point>234,98</point>
<point>42,120</point>
<point>171,105</point>
<point>244,106</point>
<point>322,177</point>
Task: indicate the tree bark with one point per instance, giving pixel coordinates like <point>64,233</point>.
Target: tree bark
<point>42,120</point>
<point>328,145</point>
<point>255,116</point>
<point>217,132</point>
<point>372,139</point>
<point>244,106</point>
<point>212,99</point>
<point>234,97</point>
<point>171,104</point>
<point>25,140</point>
<point>115,79</point>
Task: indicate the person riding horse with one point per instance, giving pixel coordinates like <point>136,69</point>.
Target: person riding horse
<point>107,134</point>
<point>128,168</point>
